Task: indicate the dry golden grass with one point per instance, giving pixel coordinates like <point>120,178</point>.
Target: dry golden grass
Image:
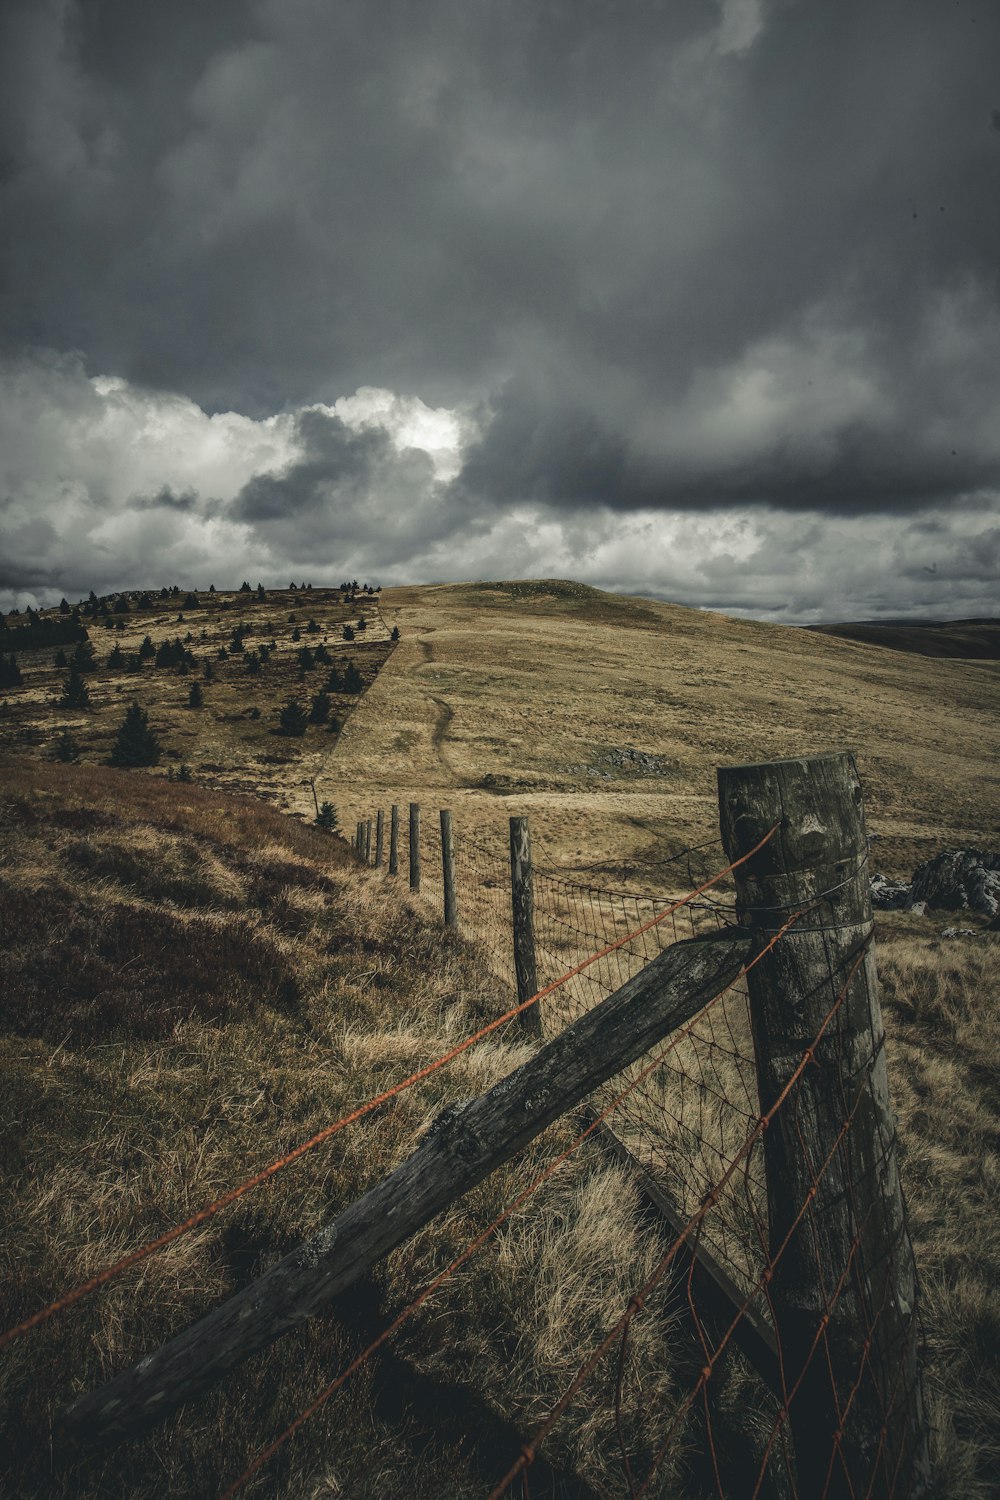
<point>132,1105</point>
<point>500,696</point>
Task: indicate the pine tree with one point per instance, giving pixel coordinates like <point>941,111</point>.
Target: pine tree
<point>319,712</point>
<point>253,663</point>
<point>75,693</point>
<point>293,719</point>
<point>116,658</point>
<point>64,606</point>
<point>67,749</point>
<point>348,633</point>
<point>83,658</point>
<point>196,698</point>
<point>306,660</point>
<point>59,660</point>
<point>10,672</point>
<point>136,744</point>
<point>147,650</point>
<point>394,633</point>
<point>352,679</point>
<point>327,817</point>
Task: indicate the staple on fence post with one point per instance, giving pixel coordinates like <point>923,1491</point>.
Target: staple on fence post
<point>414,846</point>
<point>522,895</point>
<point>368,841</point>
<point>394,840</point>
<point>843,1286</point>
<point>448,869</point>
<point>379,838</point>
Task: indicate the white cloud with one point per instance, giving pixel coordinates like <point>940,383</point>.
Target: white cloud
<point>107,485</point>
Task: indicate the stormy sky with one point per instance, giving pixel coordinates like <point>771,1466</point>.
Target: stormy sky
<point>697,298</point>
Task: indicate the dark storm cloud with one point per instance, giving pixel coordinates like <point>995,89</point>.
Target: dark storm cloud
<point>186,501</point>
<point>673,255</point>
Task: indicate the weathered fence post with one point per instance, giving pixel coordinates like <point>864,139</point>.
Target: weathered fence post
<point>394,840</point>
<point>843,1280</point>
<point>368,841</point>
<point>448,868</point>
<point>414,846</point>
<point>522,895</point>
<point>379,838</point>
<point>359,842</point>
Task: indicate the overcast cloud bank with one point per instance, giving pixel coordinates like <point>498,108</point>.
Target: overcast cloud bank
<point>700,300</point>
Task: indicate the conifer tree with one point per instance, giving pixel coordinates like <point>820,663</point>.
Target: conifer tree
<point>136,744</point>
<point>352,679</point>
<point>293,719</point>
<point>10,672</point>
<point>319,711</point>
<point>327,817</point>
<point>394,633</point>
<point>67,749</point>
<point>196,698</point>
<point>75,693</point>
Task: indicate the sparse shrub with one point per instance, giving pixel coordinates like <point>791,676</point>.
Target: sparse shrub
<point>293,719</point>
<point>136,744</point>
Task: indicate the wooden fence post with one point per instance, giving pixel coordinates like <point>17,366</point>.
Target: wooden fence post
<point>448,869</point>
<point>359,842</point>
<point>843,1286</point>
<point>414,846</point>
<point>368,841</point>
<point>379,838</point>
<point>522,894</point>
<point>394,840</point>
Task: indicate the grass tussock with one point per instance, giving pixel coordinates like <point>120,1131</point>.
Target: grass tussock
<point>941,1000</point>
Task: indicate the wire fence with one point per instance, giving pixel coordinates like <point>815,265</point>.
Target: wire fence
<point>782,1191</point>
<point>690,1118</point>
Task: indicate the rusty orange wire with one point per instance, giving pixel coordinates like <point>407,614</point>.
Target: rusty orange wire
<point>267,1453</point>
<point>638,1300</point>
<point>210,1210</point>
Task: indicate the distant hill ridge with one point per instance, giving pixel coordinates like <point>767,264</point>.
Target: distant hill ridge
<point>972,639</point>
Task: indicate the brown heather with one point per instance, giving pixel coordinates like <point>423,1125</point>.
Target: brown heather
<point>192,983</point>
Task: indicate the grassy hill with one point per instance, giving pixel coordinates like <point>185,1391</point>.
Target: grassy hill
<point>519,697</point>
<point>194,982</point>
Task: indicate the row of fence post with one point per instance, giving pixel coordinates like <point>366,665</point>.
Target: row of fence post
<point>521,885</point>
<point>842,1225</point>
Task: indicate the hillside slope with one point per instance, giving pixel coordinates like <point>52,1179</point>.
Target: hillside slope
<point>530,697</point>
<point>973,640</point>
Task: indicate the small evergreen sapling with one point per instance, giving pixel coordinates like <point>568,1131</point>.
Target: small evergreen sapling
<point>196,698</point>
<point>67,749</point>
<point>327,817</point>
<point>320,709</point>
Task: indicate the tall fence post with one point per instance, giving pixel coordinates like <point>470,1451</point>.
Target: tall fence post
<point>359,842</point>
<point>448,868</point>
<point>843,1277</point>
<point>394,840</point>
<point>522,895</point>
<point>379,838</point>
<point>414,846</point>
<point>368,841</point>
